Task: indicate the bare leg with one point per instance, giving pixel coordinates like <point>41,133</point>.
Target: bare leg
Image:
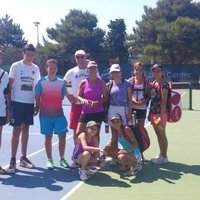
<point>62,144</point>
<point>162,141</point>
<point>48,145</point>
<point>84,159</point>
<point>15,140</point>
<point>1,128</point>
<point>24,139</point>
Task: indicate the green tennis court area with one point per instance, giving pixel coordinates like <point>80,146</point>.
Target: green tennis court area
<point>177,180</point>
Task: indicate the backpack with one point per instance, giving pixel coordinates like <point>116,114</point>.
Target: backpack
<point>174,105</point>
<point>141,136</point>
<point>146,89</point>
<point>2,75</point>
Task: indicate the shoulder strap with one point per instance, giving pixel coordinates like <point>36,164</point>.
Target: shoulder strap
<point>146,88</point>
<point>2,75</point>
<point>110,84</point>
<point>132,80</point>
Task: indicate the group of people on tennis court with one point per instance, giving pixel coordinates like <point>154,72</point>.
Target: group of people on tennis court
<point>24,94</point>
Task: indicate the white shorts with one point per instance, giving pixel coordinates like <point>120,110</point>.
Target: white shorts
<point>122,110</point>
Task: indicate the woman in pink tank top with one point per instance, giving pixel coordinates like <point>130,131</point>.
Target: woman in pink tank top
<point>92,93</point>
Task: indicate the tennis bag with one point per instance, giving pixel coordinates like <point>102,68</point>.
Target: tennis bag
<point>174,106</point>
<point>142,137</point>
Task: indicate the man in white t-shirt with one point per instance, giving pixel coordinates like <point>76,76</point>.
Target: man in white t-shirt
<point>23,77</point>
<point>4,102</point>
<point>74,76</point>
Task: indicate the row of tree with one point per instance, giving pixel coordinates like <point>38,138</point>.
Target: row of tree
<point>168,33</point>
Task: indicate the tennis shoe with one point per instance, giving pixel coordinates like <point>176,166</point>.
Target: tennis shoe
<point>12,167</point>
<point>134,171</point>
<point>25,162</point>
<point>63,163</point>
<point>83,174</point>
<point>74,165</point>
<point>50,164</point>
<point>113,162</point>
<point>159,160</point>
<point>89,172</point>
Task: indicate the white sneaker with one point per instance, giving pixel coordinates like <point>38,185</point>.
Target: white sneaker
<point>113,162</point>
<point>89,172</point>
<point>74,165</point>
<point>83,174</point>
<point>159,160</point>
<point>134,171</point>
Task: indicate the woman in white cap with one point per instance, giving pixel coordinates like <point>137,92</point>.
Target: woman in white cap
<point>120,95</point>
<point>87,149</point>
<point>92,93</point>
<point>120,98</point>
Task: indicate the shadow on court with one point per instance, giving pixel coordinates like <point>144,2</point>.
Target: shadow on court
<point>41,177</point>
<point>170,172</point>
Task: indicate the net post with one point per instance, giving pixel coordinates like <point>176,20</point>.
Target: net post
<point>190,96</point>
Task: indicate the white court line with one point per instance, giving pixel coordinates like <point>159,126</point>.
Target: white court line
<point>67,195</point>
<point>29,133</point>
<point>36,152</point>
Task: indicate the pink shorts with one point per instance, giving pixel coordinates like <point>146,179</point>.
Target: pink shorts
<point>153,116</point>
<point>75,113</point>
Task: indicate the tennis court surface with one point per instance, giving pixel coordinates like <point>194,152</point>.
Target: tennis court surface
<point>176,180</point>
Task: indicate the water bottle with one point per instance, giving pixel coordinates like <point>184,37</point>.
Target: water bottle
<point>106,128</point>
<point>134,118</point>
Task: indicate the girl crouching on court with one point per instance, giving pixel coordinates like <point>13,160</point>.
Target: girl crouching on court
<point>86,149</point>
<point>129,156</point>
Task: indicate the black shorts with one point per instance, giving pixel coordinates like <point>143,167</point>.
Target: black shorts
<point>21,113</point>
<point>140,114</point>
<point>2,121</point>
<point>97,117</point>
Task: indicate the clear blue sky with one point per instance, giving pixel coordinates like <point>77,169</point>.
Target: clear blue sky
<point>49,12</point>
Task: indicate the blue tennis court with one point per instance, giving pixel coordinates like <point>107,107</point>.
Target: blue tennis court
<point>39,183</point>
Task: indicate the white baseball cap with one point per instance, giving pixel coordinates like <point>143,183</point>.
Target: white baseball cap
<point>92,64</point>
<point>91,124</point>
<point>114,68</point>
<point>80,52</point>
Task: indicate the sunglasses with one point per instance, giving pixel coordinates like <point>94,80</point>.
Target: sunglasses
<point>80,57</point>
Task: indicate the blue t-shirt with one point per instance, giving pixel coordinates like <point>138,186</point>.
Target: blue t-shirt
<point>119,94</point>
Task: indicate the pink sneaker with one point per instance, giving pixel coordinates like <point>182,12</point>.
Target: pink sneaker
<point>159,160</point>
